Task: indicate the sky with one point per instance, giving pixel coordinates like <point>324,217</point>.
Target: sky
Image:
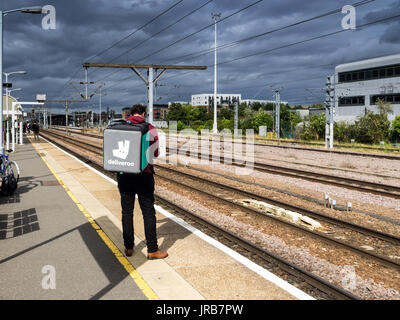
<point>168,32</point>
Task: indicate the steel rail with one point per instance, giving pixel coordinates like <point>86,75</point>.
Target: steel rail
<point>349,183</point>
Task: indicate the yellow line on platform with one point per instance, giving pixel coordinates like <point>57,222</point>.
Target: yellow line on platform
<point>143,286</point>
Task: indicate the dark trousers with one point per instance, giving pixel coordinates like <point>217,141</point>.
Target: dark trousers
<point>142,185</point>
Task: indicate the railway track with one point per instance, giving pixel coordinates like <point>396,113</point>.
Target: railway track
<point>362,230</point>
<point>311,283</point>
<point>263,144</point>
<point>344,182</point>
<point>286,205</point>
<point>315,234</point>
<point>364,253</point>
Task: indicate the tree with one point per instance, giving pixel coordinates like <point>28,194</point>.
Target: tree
<point>315,129</point>
<point>384,107</point>
<point>262,118</point>
<point>373,128</point>
<point>288,119</point>
<point>176,112</point>
<point>226,113</point>
<point>247,121</point>
<point>395,132</point>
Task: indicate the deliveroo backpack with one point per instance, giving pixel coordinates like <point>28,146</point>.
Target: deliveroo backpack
<point>125,146</point>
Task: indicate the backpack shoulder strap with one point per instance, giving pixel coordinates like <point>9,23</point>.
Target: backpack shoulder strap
<point>144,126</point>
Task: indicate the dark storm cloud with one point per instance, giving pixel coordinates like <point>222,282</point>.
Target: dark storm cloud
<point>88,27</point>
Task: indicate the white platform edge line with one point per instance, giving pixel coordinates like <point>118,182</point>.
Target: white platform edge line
<point>238,257</point>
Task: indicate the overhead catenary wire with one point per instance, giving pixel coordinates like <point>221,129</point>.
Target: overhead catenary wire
<point>314,38</point>
<point>137,30</point>
<point>198,54</point>
<point>264,52</point>
<point>237,42</point>
<point>242,40</point>
<point>190,35</point>
<point>162,30</point>
<point>151,37</point>
<point>123,39</point>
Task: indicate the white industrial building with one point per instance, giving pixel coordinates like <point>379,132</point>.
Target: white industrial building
<point>360,84</point>
<point>178,102</point>
<point>207,99</point>
<point>248,102</point>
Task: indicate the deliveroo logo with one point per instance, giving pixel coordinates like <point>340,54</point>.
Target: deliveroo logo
<point>123,150</point>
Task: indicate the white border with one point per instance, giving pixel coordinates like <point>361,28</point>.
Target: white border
<point>238,257</point>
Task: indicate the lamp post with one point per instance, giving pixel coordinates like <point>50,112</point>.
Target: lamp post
<point>100,123</point>
<point>215,16</point>
<point>32,10</point>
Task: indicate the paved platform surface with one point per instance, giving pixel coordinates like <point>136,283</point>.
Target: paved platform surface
<point>86,266</point>
<point>41,226</point>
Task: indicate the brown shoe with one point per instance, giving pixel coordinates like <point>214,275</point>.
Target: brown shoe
<point>157,255</point>
<point>129,252</point>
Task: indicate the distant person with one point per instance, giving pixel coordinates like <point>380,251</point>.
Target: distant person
<point>28,127</point>
<point>143,185</point>
<point>35,129</point>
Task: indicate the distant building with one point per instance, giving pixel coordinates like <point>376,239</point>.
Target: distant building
<point>249,102</point>
<point>160,112</point>
<point>180,102</point>
<point>316,111</point>
<point>207,99</point>
<point>361,83</point>
<point>125,112</point>
<point>302,112</point>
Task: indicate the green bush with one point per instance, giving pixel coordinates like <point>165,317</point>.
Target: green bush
<point>225,124</point>
<point>262,118</point>
<point>315,128</point>
<point>395,132</point>
<point>372,128</point>
<point>181,126</point>
<point>345,132</point>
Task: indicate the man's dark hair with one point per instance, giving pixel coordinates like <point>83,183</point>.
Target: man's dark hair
<point>137,109</point>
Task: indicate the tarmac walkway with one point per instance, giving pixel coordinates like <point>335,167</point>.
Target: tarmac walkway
<point>68,216</point>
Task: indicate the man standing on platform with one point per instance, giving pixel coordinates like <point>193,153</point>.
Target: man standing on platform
<point>143,185</point>
<point>35,129</point>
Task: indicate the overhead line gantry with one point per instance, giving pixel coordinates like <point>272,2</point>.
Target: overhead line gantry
<point>150,80</point>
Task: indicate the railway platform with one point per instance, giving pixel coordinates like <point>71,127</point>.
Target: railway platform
<point>61,238</point>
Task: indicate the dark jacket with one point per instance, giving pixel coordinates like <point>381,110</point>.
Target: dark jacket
<point>153,140</point>
<point>35,127</point>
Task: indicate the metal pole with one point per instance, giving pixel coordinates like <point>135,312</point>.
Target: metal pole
<point>331,134</point>
<point>86,83</point>
<point>215,125</point>
<point>1,73</point>
<point>330,105</point>
<point>13,127</point>
<point>66,117</point>
<point>100,110</point>
<point>7,126</point>
<point>150,94</point>
<point>236,121</point>
<point>278,111</point>
<point>21,129</point>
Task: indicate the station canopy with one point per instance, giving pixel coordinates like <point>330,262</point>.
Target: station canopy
<point>18,108</point>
